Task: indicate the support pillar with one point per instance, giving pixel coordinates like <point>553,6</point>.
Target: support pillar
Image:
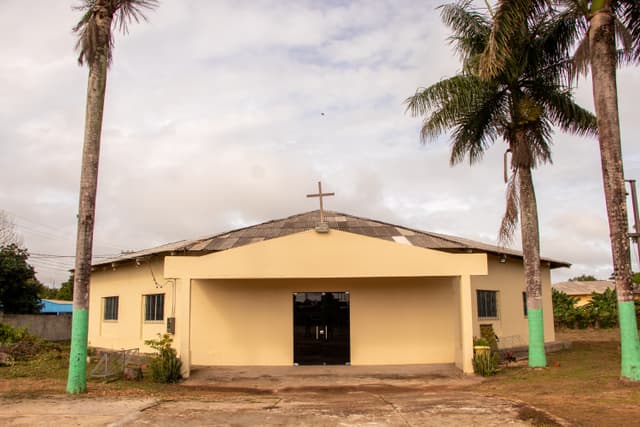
<point>183,324</point>
<point>466,325</point>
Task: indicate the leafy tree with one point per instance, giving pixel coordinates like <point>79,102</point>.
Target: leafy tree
<point>48,293</point>
<point>583,278</point>
<point>597,28</point>
<point>65,293</point>
<point>603,309</point>
<point>19,287</point>
<point>95,43</point>
<point>520,104</point>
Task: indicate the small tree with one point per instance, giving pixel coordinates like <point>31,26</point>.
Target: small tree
<point>166,366</point>
<point>19,288</point>
<point>565,313</point>
<point>603,309</point>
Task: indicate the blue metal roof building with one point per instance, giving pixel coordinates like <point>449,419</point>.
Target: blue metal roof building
<point>53,306</point>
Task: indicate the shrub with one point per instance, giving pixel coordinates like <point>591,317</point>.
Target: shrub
<point>480,342</point>
<point>485,363</point>
<point>603,309</point>
<point>11,335</point>
<point>488,334</point>
<point>166,366</point>
<point>600,312</point>
<point>18,343</point>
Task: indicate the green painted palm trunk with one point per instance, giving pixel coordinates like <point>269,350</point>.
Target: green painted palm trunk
<point>629,342</point>
<point>537,356</point>
<point>77,378</point>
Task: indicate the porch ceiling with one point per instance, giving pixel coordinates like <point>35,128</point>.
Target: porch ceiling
<point>334,254</point>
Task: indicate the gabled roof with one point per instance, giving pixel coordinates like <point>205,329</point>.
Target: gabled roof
<point>308,221</point>
<point>584,288</point>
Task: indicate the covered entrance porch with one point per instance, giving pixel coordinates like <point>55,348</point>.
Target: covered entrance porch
<point>401,304</point>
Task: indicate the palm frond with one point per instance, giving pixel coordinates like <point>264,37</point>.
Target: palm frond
<point>510,218</point>
<point>95,37</point>
<point>581,60</point>
<point>623,35</point>
<point>629,16</point>
<point>563,111</point>
<point>510,18</point>
<point>470,28</point>
<point>479,124</point>
<point>128,11</point>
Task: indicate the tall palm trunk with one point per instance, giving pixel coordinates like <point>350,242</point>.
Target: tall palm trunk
<point>603,75</point>
<point>531,257</point>
<point>77,378</point>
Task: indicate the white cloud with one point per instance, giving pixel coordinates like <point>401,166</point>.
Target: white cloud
<point>214,120</point>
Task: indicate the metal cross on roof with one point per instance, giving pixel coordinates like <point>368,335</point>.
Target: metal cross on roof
<point>320,194</point>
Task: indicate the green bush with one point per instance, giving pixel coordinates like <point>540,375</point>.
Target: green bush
<point>488,334</point>
<point>600,312</point>
<point>480,342</point>
<point>11,335</point>
<point>603,309</point>
<point>19,344</point>
<point>485,363</point>
<point>166,366</point>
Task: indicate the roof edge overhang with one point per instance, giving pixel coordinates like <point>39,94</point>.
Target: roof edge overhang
<point>336,254</point>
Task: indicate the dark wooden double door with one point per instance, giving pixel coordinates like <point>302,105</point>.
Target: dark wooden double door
<point>321,328</point>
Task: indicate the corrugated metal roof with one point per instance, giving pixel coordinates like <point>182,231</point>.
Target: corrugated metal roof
<point>584,288</point>
<point>307,221</point>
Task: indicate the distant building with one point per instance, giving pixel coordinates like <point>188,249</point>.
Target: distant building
<point>54,306</point>
<point>583,290</point>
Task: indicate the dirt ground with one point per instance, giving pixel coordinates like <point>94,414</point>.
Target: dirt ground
<point>418,395</point>
<point>581,385</point>
<point>357,406</point>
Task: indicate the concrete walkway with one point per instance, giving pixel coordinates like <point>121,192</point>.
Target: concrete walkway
<point>419,395</point>
<point>276,378</point>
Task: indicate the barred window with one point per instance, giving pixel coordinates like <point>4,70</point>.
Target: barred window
<point>487,304</point>
<point>154,307</point>
<point>110,308</point>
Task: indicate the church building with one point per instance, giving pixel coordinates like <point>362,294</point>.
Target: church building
<point>320,287</point>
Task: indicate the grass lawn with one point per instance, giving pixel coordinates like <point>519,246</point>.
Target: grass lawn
<point>581,385</point>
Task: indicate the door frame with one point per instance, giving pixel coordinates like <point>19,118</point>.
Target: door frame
<point>347,343</point>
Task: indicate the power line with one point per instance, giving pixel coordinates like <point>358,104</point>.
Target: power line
<point>39,255</point>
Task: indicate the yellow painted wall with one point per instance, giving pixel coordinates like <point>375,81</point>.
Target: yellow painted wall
<point>130,283</point>
<point>508,280</point>
<point>393,321</point>
<point>336,254</point>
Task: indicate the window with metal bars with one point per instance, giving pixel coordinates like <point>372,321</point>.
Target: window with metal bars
<point>154,307</point>
<point>110,308</point>
<point>487,304</point>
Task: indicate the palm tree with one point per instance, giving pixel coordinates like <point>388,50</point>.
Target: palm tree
<point>95,43</point>
<point>519,104</point>
<point>593,26</point>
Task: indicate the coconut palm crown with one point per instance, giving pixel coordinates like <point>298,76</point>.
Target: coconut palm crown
<point>94,36</point>
<point>520,105</point>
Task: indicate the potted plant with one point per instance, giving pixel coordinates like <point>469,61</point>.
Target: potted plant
<point>481,346</point>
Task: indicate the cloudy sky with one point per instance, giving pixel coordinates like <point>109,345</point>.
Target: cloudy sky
<point>221,114</point>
